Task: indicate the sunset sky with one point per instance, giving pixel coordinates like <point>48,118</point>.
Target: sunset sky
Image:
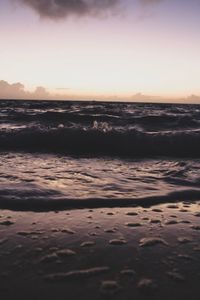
<point>105,49</point>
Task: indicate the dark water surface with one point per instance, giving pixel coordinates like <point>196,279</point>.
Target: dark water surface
<point>56,154</point>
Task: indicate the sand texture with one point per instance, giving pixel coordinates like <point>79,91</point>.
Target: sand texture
<point>118,253</point>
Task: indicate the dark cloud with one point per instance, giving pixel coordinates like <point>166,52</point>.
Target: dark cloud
<point>58,9</point>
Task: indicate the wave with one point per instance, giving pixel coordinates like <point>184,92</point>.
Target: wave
<point>168,121</point>
<point>35,199</point>
<point>148,116</point>
<point>148,122</point>
<point>102,140</point>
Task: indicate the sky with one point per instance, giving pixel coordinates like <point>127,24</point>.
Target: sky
<point>104,50</point>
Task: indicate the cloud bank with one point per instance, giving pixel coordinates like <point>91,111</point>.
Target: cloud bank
<point>18,91</point>
<point>59,9</point>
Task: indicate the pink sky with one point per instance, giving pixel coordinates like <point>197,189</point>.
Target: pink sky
<point>148,48</point>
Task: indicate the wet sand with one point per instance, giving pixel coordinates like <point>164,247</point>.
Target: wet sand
<point>104,253</point>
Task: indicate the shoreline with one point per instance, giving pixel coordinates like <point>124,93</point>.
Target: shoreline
<point>45,203</point>
<point>120,253</point>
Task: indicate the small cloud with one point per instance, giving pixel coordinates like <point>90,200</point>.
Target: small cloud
<point>62,89</point>
<point>40,91</point>
<point>193,99</point>
<point>141,97</point>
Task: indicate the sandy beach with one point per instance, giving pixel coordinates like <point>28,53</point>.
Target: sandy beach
<point>118,253</point>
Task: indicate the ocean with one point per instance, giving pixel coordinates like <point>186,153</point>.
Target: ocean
<point>70,154</point>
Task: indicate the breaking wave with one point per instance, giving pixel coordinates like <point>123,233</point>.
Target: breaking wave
<point>101,139</point>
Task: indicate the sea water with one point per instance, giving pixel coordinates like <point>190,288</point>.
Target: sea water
<point>59,154</point>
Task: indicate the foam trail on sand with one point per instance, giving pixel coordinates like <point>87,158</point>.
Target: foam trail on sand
<point>50,200</point>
